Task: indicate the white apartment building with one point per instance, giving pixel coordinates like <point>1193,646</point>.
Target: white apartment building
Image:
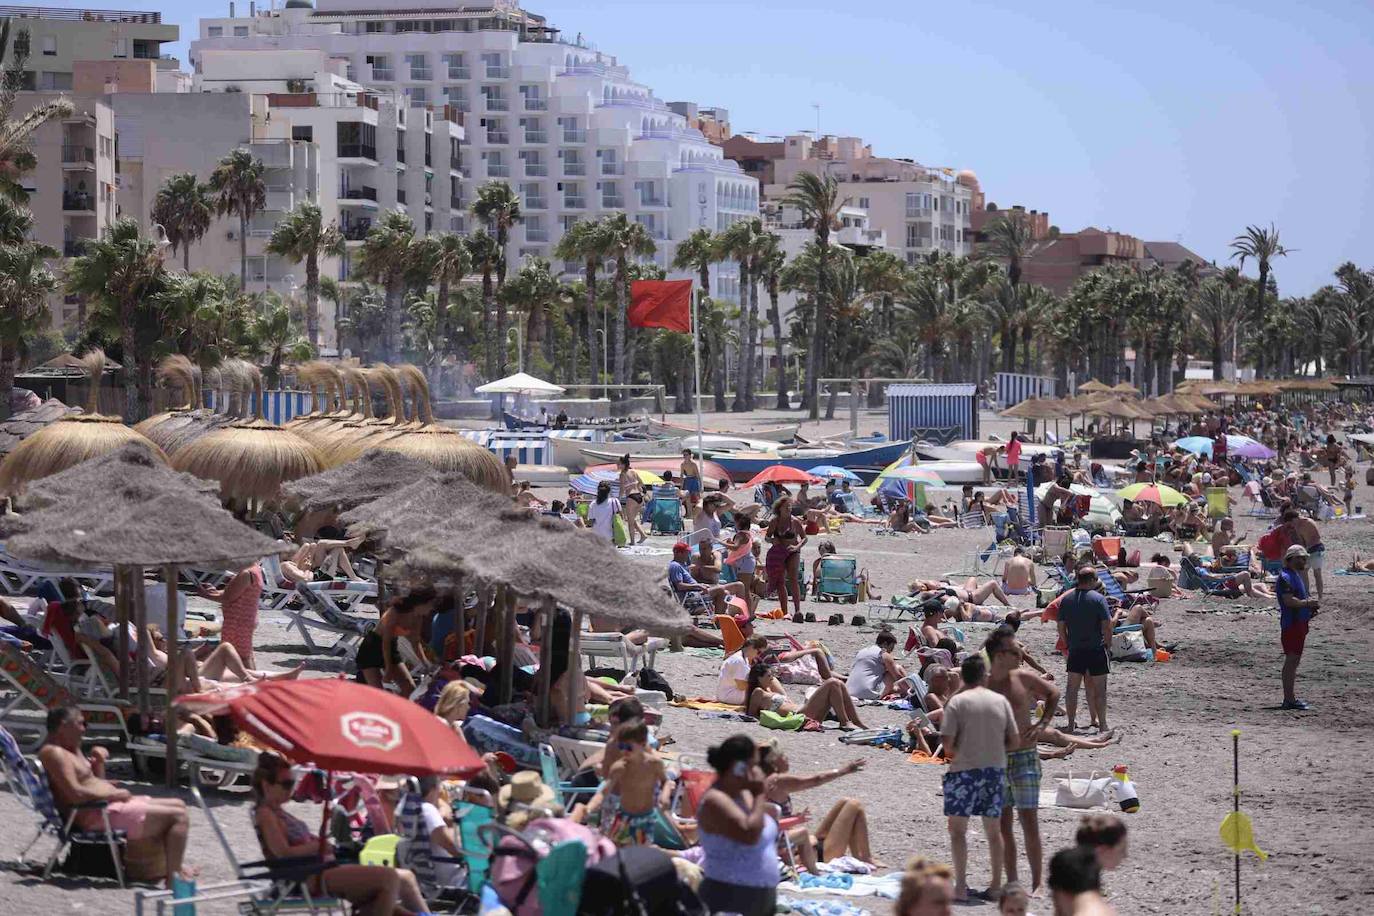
<point>921,209</point>
<point>564,124</point>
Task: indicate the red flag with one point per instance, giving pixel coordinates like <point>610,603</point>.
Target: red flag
<point>661,304</point>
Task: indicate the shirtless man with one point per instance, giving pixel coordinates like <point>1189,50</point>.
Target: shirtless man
<point>1058,492</point>
<point>691,479</point>
<point>1022,689</point>
<point>1304,531</point>
<point>1018,576</point>
<point>77,779</point>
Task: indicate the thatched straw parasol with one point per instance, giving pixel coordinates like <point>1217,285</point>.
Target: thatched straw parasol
<point>1126,388</point>
<point>180,426</point>
<point>25,423</point>
<point>376,474</point>
<point>349,440</point>
<point>1036,409</point>
<point>127,509</point>
<point>440,447</point>
<point>1093,386</point>
<point>71,440</point>
<point>250,459</point>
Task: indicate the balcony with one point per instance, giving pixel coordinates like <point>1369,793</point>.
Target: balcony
<point>358,197</point>
<point>536,203</point>
<point>496,72</point>
<point>498,170</point>
<point>383,74</point>
<point>919,213</point>
<point>459,73</point>
<point>574,168</point>
<point>78,157</point>
<point>357,232</point>
<point>536,235</point>
<point>536,170</point>
<point>612,202</point>
<point>612,168</point>
<point>574,136</point>
<point>358,151</point>
<point>536,137</point>
<point>497,104</point>
<point>650,200</point>
<point>74,248</point>
<point>77,202</point>
<point>533,104</point>
<point>500,137</point>
<point>574,203</point>
<point>426,74</point>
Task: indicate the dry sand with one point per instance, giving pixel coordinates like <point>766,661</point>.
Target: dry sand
<point>1305,775</point>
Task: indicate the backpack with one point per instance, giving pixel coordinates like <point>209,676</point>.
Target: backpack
<point>649,679</point>
<point>1273,543</point>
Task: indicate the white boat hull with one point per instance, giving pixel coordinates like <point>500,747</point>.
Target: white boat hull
<point>776,434</point>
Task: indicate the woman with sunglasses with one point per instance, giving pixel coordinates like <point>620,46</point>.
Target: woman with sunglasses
<point>372,890</point>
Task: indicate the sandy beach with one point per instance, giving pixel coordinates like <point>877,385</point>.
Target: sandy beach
<point>1303,774</point>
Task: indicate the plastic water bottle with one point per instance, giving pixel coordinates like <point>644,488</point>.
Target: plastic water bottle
<point>1126,795</point>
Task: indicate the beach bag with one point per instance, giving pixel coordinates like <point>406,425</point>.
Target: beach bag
<point>1272,544</point>
<point>619,533</point>
<point>1093,792</point>
<point>1129,647</point>
<point>789,723</point>
<point>649,679</point>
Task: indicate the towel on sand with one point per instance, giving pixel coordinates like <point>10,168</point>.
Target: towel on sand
<point>704,703</point>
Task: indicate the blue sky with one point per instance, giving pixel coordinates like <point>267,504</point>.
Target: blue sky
<point>1168,120</point>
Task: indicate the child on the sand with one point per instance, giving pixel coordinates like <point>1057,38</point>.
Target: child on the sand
<point>632,788</point>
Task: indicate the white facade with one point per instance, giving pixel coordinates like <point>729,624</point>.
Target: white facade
<point>565,125</point>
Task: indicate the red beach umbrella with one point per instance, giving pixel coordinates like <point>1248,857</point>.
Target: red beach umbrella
<point>781,473</point>
<point>342,725</point>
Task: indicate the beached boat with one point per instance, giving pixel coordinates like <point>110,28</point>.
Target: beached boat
<point>578,454</point>
<point>955,472</point>
<point>744,465</point>
<point>774,434</point>
<point>538,424</point>
<point>711,473</point>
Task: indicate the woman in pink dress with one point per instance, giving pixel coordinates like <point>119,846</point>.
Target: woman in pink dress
<point>239,601</point>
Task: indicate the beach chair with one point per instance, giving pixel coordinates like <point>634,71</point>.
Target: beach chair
<point>549,773</point>
<point>972,519</point>
<point>35,691</point>
<point>665,516</point>
<point>617,647</point>
<point>1107,549</point>
<point>985,562</point>
<point>1218,502</point>
<point>572,753</point>
<point>838,579</point>
<point>1112,588</point>
<point>316,613</point>
<point>414,851</point>
<point>1193,576</point>
<point>730,632</point>
<point>18,577</point>
<point>1054,542</point>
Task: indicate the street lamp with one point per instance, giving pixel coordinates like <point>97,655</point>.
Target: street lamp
<point>605,371</point>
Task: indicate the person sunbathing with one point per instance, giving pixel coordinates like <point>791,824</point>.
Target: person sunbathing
<point>525,498</point>
<point>320,558</point>
<point>1067,743</point>
<point>765,692</point>
<point>971,591</point>
<point>843,830</point>
<point>1018,576</point>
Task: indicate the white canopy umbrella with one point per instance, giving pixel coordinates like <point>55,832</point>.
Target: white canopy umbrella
<point>520,383</point>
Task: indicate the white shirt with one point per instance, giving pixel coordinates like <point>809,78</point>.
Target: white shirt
<point>600,515</point>
<point>736,668</point>
<point>446,874</point>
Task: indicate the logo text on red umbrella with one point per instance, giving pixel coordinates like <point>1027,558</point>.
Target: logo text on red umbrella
<point>367,729</point>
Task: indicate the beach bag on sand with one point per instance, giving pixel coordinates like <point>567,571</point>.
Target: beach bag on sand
<point>1093,792</point>
<point>1129,647</point>
<point>619,533</point>
<point>790,723</point>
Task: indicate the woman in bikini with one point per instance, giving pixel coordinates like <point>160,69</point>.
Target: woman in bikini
<point>631,501</point>
<point>765,693</point>
<point>787,535</point>
<point>378,658</point>
<point>843,830</point>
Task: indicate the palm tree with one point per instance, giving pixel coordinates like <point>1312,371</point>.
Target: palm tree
<point>15,134</point>
<point>182,208</point>
<point>122,273</point>
<point>25,284</point>
<point>1011,240</point>
<point>278,337</point>
<point>498,206</point>
<point>626,240</point>
<point>387,257</point>
<point>587,241</point>
<point>303,236</point>
<point>485,255</point>
<point>1261,246</point>
<point>738,243</point>
<point>768,262</point>
<point>882,275</point>
<point>330,289</point>
<point>696,253</point>
<point>818,199</point>
<point>716,335</point>
<point>238,188</point>
<point>448,264</point>
<point>534,290</point>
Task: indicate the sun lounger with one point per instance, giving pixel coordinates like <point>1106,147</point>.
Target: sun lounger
<point>33,691</point>
<point>571,752</point>
<point>616,646</point>
<point>18,578</point>
<point>318,614</point>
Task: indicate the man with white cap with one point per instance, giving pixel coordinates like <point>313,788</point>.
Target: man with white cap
<point>1295,611</point>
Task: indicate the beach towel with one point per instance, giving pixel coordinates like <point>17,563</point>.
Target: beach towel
<point>704,703</point>
<point>821,907</point>
<point>1353,572</point>
<point>923,757</point>
<point>887,886</point>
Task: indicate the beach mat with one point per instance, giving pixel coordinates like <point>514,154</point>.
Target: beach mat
<point>704,703</point>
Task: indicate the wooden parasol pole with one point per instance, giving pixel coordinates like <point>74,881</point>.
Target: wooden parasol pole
<point>141,627</point>
<point>460,618</point>
<point>543,684</point>
<point>574,666</point>
<point>169,572</point>
<point>121,596</point>
<point>506,654</point>
<point>479,645</point>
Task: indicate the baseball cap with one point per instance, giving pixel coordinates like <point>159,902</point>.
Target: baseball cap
<point>681,545</point>
<point>1296,550</point>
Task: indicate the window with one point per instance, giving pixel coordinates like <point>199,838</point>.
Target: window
<point>240,31</point>
<point>371,27</point>
<point>918,235</point>
<point>121,45</point>
<point>306,133</point>
<point>357,140</point>
<point>215,31</point>
<point>50,45</point>
<point>456,68</point>
<point>419,66</point>
<point>48,80</point>
<point>863,203</point>
<point>419,95</point>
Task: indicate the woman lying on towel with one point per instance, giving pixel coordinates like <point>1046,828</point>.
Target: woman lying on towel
<point>764,693</point>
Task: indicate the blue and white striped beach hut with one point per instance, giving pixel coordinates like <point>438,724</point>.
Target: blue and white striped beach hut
<point>915,409</point>
<point>1015,387</point>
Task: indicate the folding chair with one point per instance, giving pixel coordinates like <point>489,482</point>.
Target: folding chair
<point>838,579</point>
<point>316,613</point>
<point>571,752</point>
<point>730,632</point>
<point>1054,542</point>
<point>549,773</point>
<point>972,519</point>
<point>665,516</point>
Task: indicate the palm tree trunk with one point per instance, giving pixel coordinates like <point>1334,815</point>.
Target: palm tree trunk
<point>394,291</point>
<point>814,352</point>
<point>754,355</point>
<point>441,323</point>
<point>718,378</point>
<point>781,401</point>
<point>742,342</point>
<point>130,357</point>
<point>186,257</point>
<point>593,350</point>
<point>243,251</point>
<point>312,300</point>
<point>9,366</point>
<point>622,282</point>
<point>1026,347</point>
<point>488,347</point>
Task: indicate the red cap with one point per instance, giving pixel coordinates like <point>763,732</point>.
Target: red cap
<point>681,545</point>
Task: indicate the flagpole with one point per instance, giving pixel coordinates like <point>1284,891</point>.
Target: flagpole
<point>696,357</point>
<point>1235,800</point>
